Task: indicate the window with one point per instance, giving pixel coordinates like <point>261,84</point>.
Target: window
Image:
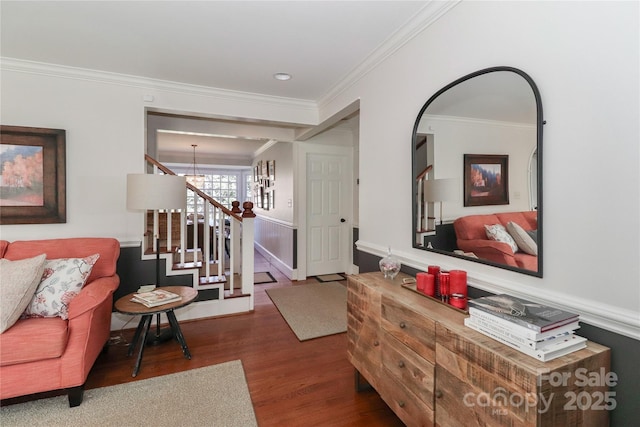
<point>223,185</point>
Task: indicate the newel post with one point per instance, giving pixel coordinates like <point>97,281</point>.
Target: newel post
<point>247,252</point>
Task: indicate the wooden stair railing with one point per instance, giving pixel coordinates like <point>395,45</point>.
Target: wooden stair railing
<point>223,232</point>
<point>425,223</point>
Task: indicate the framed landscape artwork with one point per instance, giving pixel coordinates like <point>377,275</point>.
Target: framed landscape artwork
<point>32,175</point>
<point>486,179</point>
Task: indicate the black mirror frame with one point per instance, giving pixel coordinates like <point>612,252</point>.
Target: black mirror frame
<point>540,122</point>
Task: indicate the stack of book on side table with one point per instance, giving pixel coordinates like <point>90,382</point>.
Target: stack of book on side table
<point>155,298</point>
<point>537,330</point>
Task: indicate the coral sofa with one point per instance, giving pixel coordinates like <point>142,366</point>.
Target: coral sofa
<point>471,236</point>
<point>49,353</point>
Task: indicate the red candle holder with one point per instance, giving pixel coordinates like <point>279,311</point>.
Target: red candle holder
<point>421,281</point>
<point>458,282</point>
<point>459,301</point>
<point>444,284</point>
<point>435,270</point>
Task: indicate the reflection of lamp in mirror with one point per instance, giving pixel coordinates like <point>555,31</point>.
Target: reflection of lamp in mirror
<point>440,191</point>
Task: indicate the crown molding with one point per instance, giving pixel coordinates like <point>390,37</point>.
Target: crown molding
<point>429,14</point>
<point>74,73</point>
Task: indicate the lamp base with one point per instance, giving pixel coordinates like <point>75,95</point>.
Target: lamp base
<point>160,337</point>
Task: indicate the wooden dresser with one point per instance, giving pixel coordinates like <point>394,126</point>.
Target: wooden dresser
<point>432,370</point>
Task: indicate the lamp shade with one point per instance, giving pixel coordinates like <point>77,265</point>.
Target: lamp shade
<point>440,190</point>
<point>152,191</point>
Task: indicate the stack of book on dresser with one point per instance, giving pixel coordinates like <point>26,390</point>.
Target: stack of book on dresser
<point>537,330</point>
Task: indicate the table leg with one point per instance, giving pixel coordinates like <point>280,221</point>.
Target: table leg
<point>146,321</point>
<point>175,328</point>
<point>136,336</point>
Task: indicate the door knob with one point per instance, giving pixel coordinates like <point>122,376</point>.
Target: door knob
<point>343,220</point>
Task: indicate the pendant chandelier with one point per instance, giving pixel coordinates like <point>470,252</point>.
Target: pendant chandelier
<point>196,179</point>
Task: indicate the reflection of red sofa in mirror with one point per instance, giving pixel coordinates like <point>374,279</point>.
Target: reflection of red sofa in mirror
<point>471,236</point>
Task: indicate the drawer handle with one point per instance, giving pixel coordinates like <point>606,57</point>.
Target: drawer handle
<point>401,404</point>
<point>402,325</point>
<point>401,364</point>
<point>376,343</point>
<point>438,394</point>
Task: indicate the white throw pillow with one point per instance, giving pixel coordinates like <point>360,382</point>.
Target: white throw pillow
<point>498,233</point>
<point>62,280</point>
<point>18,282</point>
<point>523,239</point>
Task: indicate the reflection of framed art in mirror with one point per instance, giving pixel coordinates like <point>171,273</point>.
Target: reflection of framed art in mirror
<point>486,179</point>
<point>271,170</point>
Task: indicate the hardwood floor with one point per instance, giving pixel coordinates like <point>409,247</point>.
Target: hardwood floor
<point>291,383</point>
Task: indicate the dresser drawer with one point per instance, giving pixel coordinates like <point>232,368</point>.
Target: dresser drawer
<point>417,374</point>
<point>411,410</point>
<point>415,330</point>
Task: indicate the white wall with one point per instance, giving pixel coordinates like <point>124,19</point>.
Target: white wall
<point>584,59</point>
<point>104,116</point>
<point>453,138</point>
<point>282,154</point>
<point>583,56</point>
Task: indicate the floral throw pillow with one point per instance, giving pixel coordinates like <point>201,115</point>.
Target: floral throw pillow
<point>62,280</point>
<point>500,234</point>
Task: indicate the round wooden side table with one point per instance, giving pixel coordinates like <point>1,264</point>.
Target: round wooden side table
<point>124,305</point>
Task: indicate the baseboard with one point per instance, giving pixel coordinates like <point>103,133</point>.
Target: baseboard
<point>276,262</point>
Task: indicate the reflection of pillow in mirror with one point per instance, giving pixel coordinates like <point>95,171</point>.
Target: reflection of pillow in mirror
<point>500,234</point>
<point>534,235</point>
<point>523,240</point>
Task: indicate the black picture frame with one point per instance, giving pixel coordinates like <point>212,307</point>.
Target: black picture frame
<point>486,179</point>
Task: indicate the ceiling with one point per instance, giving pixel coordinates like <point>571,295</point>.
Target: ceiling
<point>235,45</point>
<point>231,45</point>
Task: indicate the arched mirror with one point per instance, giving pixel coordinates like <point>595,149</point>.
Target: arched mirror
<point>477,171</point>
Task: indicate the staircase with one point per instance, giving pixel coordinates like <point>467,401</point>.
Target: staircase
<point>425,219</point>
<point>215,246</point>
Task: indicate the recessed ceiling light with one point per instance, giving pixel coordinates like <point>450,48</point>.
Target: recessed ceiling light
<point>282,76</point>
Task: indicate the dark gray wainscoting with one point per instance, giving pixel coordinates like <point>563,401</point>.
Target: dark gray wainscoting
<point>625,353</point>
<point>134,272</point>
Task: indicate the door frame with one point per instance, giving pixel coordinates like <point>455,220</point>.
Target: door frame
<point>301,151</point>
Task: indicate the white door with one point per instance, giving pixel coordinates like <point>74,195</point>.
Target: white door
<point>327,226</point>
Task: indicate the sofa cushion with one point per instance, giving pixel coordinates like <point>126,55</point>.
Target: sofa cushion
<point>523,240</point>
<point>61,282</point>
<point>33,339</point>
<point>3,247</point>
<point>526,219</point>
<point>18,282</point>
<point>77,247</point>
<point>471,227</point>
<point>499,233</point>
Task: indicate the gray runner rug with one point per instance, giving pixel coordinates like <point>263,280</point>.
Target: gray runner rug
<point>313,310</point>
<point>212,396</point>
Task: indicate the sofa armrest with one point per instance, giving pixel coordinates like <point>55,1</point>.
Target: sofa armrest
<point>92,295</point>
<point>490,250</point>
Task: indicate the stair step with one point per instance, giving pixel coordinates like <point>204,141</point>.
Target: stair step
<point>236,294</point>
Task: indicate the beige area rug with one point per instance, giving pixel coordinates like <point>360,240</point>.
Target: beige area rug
<point>212,396</point>
<point>314,310</point>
